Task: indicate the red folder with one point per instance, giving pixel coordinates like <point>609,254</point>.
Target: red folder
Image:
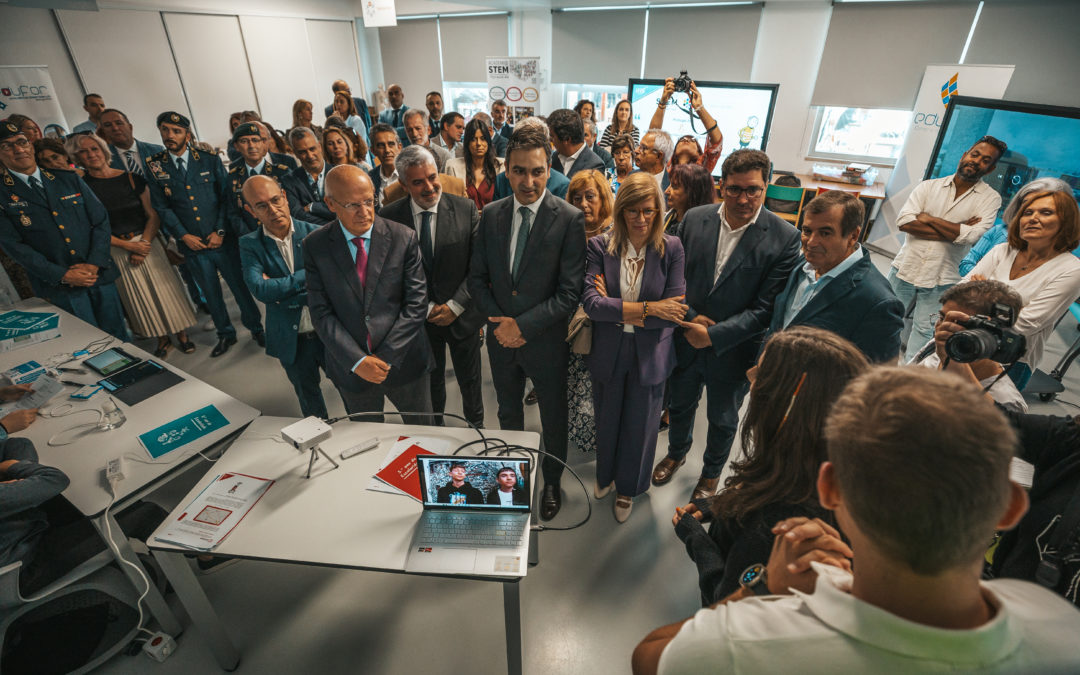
<point>402,473</point>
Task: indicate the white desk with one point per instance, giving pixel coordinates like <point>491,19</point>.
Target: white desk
<point>84,460</point>
<point>330,519</point>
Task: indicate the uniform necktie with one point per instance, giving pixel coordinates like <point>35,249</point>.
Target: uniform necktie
<point>361,260</point>
<point>361,271</point>
<point>39,190</point>
<point>426,251</point>
<point>181,167</point>
<point>132,163</point>
<point>522,239</point>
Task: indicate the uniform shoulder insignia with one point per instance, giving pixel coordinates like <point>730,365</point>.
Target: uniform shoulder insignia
<point>160,156</point>
<point>235,169</point>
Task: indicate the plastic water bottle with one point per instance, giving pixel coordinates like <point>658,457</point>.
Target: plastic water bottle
<point>113,417</point>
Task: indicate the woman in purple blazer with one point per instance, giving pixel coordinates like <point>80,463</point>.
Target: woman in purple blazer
<point>634,288</point>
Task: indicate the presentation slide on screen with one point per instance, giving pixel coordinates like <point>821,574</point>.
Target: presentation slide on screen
<point>740,113</point>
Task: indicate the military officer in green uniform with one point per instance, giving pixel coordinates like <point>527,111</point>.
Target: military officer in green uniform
<point>52,224</point>
<point>255,161</point>
<point>189,190</point>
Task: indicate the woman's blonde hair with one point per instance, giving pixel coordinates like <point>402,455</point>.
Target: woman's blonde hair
<point>637,187</point>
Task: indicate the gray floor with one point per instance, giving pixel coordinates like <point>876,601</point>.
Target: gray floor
<point>596,592</point>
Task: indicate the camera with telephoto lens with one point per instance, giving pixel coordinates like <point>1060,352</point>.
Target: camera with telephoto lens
<point>987,337</point>
<point>682,82</point>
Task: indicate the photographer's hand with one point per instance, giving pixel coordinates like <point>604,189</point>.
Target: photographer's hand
<point>711,127</point>
<point>657,121</point>
<point>952,323</point>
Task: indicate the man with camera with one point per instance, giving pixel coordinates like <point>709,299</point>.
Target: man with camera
<point>942,218</point>
<point>973,337</point>
<point>714,141</point>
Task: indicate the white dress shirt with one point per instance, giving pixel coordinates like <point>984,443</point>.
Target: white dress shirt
<point>924,263</point>
<point>631,272</point>
<point>728,240</point>
<point>284,247</point>
<point>515,224</point>
<point>568,162</point>
<point>418,219</point>
<point>1033,630</point>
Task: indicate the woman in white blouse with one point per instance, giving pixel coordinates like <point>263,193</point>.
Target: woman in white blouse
<point>1037,261</point>
<point>634,287</point>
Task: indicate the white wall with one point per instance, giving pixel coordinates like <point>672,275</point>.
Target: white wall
<point>31,38</point>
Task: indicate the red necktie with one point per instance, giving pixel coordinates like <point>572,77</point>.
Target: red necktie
<point>361,270</point>
<point>361,260</point>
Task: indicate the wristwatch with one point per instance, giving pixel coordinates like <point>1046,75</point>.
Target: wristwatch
<point>754,579</point>
<point>221,233</point>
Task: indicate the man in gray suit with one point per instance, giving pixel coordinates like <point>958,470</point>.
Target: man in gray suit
<point>528,264</point>
<point>446,225</point>
<point>368,301</point>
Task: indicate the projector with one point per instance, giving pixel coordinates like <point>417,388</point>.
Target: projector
<point>307,433</point>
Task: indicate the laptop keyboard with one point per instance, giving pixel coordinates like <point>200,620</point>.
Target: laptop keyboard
<point>474,529</point>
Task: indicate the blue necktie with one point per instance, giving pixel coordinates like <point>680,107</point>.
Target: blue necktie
<point>522,239</point>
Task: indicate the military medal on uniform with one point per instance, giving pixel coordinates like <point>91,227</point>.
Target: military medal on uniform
<point>24,220</point>
<point>167,190</point>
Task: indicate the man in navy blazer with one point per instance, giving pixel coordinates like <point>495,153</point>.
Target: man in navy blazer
<point>568,136</point>
<point>273,261</point>
<point>306,184</point>
<point>128,153</point>
<point>368,299</point>
<point>52,224</point>
<point>738,258</point>
<point>526,276</point>
<point>446,225</point>
<point>837,287</point>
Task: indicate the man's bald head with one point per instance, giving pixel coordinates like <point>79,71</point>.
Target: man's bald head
<point>351,196</point>
<point>339,85</point>
<point>264,199</point>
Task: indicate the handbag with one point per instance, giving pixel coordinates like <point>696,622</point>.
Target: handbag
<point>579,334</point>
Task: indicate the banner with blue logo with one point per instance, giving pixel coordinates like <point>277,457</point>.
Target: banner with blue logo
<point>28,90</point>
<point>939,84</point>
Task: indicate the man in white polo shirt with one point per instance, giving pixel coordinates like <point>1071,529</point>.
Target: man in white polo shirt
<point>942,218</point>
<point>918,479</point>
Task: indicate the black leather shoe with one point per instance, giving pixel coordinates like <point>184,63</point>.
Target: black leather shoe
<point>260,338</point>
<point>222,346</point>
<point>550,502</point>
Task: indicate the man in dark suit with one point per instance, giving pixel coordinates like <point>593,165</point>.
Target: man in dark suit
<point>361,104</point>
<point>445,225</point>
<point>189,191</point>
<point>305,185</point>
<point>386,146</point>
<point>368,301</point>
<point>557,183</point>
<point>434,104</point>
<point>568,136</point>
<point>128,154</point>
<point>526,275</point>
<point>273,261</point>
<point>499,125</point>
<point>837,287</point>
<point>52,224</point>
<point>738,257</point>
<point>255,161</point>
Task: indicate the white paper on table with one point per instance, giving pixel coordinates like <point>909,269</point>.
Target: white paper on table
<point>216,511</point>
<point>439,446</point>
<point>42,390</point>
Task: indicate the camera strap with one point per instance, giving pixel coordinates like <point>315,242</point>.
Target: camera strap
<point>1048,574</point>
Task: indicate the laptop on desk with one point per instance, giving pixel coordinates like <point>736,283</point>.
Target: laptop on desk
<point>476,516</point>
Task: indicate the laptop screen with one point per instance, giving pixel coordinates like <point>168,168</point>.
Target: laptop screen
<point>480,483</point>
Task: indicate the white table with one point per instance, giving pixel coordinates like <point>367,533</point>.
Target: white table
<point>330,519</point>
<point>84,460</point>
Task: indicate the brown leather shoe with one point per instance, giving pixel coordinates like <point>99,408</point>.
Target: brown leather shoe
<point>663,472</point>
<point>706,487</point>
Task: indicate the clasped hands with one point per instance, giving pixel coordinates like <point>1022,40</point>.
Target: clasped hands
<point>194,243</point>
<point>81,274</point>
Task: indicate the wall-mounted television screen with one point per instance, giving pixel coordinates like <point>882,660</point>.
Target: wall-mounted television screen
<point>743,112</point>
<point>1042,142</point>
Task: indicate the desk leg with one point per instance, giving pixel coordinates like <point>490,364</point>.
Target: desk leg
<point>154,600</point>
<point>193,598</point>
<point>512,617</point>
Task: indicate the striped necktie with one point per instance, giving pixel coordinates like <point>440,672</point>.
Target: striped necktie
<point>133,164</point>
